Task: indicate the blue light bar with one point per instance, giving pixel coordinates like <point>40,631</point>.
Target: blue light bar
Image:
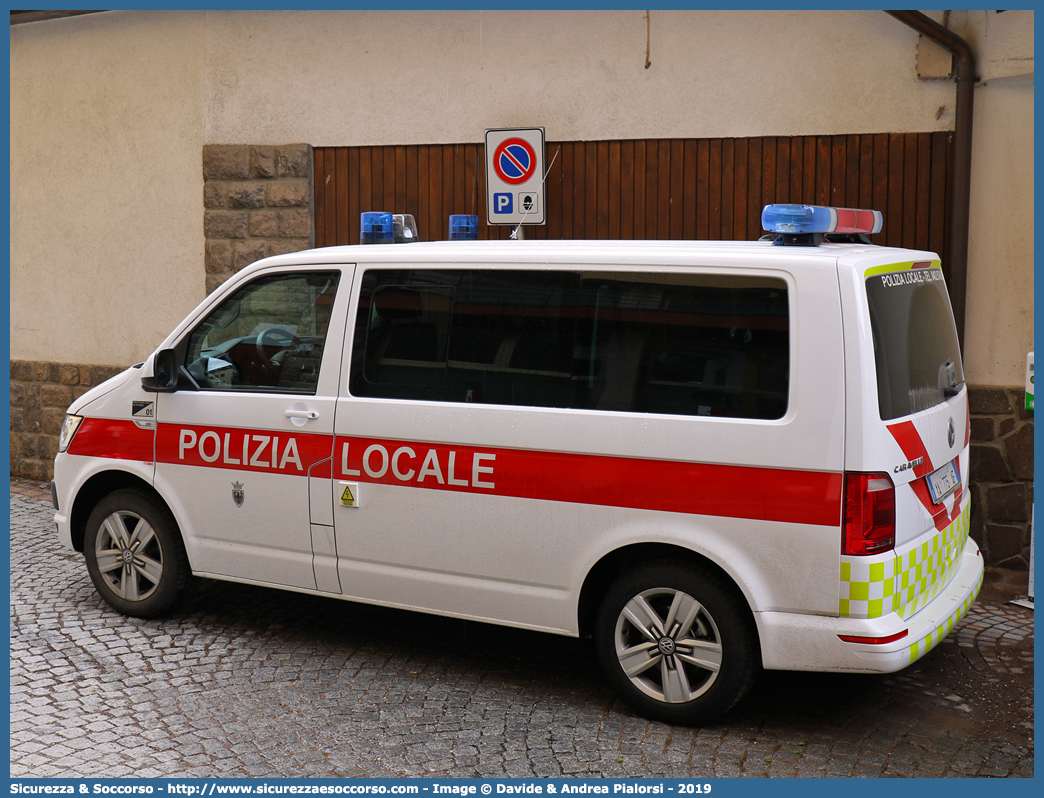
<point>463,227</point>
<point>797,219</point>
<point>375,227</point>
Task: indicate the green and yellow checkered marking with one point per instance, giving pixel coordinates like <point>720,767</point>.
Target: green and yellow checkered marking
<point>902,581</point>
<point>933,638</point>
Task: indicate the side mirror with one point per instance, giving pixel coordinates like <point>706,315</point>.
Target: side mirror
<point>161,373</point>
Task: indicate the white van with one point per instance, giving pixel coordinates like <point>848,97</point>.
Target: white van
<point>710,457</point>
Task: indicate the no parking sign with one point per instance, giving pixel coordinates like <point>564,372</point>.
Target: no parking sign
<point>515,176</point>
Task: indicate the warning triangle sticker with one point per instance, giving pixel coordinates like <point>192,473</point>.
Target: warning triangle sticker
<point>347,499</point>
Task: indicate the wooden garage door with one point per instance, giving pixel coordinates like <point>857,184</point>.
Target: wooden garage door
<point>652,189</point>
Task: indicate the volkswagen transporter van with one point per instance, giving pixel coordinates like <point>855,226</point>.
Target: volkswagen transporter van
<point>710,457</point>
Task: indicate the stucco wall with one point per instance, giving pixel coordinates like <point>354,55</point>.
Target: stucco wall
<point>110,114</point>
<point>106,186</point>
<point>411,77</point>
<point>999,318</point>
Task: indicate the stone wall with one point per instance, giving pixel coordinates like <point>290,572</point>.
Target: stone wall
<point>1001,475</point>
<point>257,202</point>
<point>40,394</point>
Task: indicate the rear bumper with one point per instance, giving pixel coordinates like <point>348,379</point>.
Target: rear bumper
<point>812,643</point>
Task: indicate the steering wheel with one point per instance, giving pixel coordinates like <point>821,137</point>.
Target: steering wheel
<point>273,338</point>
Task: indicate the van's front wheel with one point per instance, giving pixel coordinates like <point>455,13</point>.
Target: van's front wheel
<point>677,643</point>
<point>134,554</point>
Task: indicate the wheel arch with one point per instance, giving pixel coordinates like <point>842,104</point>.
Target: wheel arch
<point>615,563</point>
<point>98,487</point>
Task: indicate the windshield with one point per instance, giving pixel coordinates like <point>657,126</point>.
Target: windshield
<point>915,342</point>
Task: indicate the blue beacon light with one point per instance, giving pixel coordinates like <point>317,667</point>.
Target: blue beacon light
<point>463,227</point>
<point>375,227</point>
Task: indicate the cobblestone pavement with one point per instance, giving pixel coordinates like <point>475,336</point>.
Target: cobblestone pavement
<point>246,681</point>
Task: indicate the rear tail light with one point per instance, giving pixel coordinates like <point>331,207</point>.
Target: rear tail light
<point>869,514</point>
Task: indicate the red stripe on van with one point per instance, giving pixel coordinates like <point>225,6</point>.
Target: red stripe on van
<point>770,494</point>
<point>940,517</point>
<point>909,440</point>
<point>279,451</point>
<point>112,439</point>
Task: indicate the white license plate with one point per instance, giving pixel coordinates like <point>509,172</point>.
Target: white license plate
<point>944,481</point>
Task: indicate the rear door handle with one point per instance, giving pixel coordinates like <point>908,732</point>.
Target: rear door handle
<point>302,414</point>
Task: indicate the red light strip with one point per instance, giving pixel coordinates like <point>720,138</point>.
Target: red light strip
<point>855,220</point>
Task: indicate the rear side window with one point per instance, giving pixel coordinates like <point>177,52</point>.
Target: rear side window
<point>916,352</point>
<point>647,343</point>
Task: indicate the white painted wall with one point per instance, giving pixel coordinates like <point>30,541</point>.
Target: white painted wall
<point>110,112</point>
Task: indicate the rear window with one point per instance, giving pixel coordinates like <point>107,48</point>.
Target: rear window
<point>701,345</point>
<point>916,351</point>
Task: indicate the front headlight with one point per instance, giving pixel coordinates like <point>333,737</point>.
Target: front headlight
<point>69,427</point>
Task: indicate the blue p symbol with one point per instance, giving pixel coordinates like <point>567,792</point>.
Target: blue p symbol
<point>502,203</point>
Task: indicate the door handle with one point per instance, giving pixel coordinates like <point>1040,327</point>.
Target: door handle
<point>301,414</point>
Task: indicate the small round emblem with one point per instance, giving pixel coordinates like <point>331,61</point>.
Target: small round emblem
<point>128,556</point>
<point>666,646</point>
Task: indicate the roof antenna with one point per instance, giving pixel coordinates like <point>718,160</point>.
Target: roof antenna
<point>514,233</point>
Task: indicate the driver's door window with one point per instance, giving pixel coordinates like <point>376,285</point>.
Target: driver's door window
<point>268,336</point>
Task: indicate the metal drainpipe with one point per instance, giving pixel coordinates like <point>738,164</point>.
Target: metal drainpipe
<point>961,154</point>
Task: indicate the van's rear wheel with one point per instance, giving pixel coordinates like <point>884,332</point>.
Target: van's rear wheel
<point>677,643</point>
<point>135,555</point>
